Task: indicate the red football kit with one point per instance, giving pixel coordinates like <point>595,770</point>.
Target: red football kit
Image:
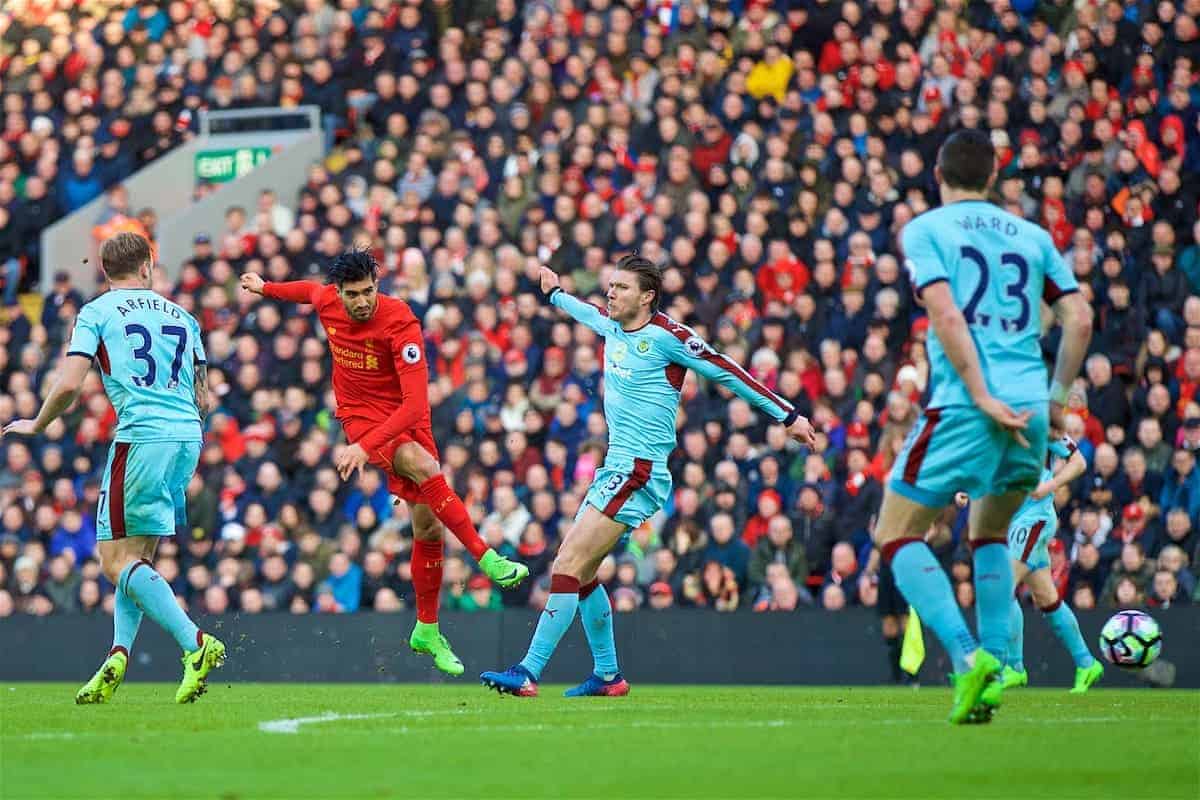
<point>379,376</point>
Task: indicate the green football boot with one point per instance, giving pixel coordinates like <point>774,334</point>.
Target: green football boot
<point>428,639</point>
<point>1008,679</point>
<point>1086,676</point>
<point>196,666</point>
<point>104,683</point>
<point>1012,678</point>
<point>969,686</point>
<point>504,573</point>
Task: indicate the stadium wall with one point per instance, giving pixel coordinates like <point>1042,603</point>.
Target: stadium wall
<point>654,647</point>
<point>167,185</point>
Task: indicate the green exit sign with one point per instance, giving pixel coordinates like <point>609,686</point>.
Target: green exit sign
<point>219,166</point>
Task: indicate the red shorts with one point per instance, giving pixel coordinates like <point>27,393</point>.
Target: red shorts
<point>384,456</point>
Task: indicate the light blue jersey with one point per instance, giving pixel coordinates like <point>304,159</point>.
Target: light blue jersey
<point>1064,448</point>
<point>147,348</point>
<point>643,375</point>
<point>1036,522</point>
<point>1000,269</point>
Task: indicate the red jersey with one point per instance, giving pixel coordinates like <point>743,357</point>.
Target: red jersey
<point>379,373</point>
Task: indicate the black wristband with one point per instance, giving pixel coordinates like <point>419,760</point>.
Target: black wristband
<point>791,418</point>
<point>550,294</point>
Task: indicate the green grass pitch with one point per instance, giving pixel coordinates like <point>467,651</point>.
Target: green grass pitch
<point>458,740</point>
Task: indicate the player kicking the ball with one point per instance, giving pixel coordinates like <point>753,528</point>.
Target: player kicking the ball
<point>152,365</point>
<point>982,275</point>
<point>1029,535</point>
<point>646,355</point>
<point>381,384</point>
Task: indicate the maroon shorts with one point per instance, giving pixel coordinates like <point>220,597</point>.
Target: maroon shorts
<point>384,455</point>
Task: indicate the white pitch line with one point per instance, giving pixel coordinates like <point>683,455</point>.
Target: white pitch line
<point>293,725</point>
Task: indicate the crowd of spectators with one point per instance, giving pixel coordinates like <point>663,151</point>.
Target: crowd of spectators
<point>766,153</point>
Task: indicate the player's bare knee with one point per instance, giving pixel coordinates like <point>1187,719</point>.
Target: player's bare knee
<point>112,565</point>
<point>1044,596</point>
<point>569,562</point>
<point>415,463</point>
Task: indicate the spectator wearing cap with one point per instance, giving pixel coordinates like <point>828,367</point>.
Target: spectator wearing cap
<point>768,505</point>
<point>480,596</point>
<point>661,597</point>
<point>1136,526</point>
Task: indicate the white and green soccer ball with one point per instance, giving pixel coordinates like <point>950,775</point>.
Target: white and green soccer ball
<point>1131,639</point>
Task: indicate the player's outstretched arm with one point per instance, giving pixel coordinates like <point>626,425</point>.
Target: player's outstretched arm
<point>71,372</point>
<point>1075,316</point>
<point>951,328</point>
<point>292,291</point>
<point>1069,470</point>
<point>580,311</point>
<point>689,350</point>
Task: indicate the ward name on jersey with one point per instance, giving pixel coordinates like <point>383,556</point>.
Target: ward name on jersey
<point>147,348</point>
<point>1000,268</point>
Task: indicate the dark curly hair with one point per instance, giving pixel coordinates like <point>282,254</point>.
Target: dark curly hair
<point>353,265</point>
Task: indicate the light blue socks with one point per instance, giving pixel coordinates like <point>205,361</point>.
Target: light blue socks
<point>927,589</point>
<point>554,622</point>
<point>1016,637</point>
<point>993,595</point>
<point>147,588</point>
<point>1066,627</point>
<point>595,611</point>
<point>127,618</point>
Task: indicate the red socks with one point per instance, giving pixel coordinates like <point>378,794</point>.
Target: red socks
<point>563,584</point>
<point>448,508</point>
<point>427,577</point>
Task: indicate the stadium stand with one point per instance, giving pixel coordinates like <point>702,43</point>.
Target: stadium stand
<point>766,153</point>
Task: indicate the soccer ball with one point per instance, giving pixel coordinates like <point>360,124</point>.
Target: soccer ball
<point>1131,639</point>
